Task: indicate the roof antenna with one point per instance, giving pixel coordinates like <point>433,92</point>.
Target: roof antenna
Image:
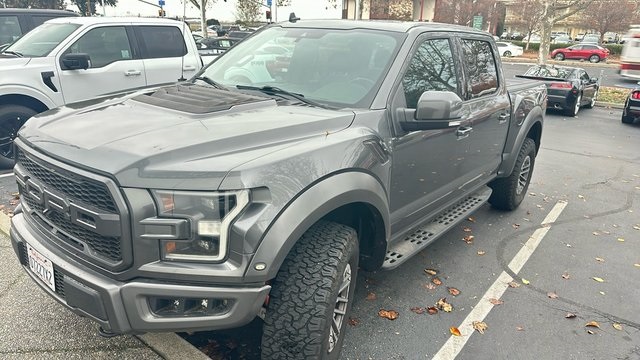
<point>184,17</point>
<point>293,18</point>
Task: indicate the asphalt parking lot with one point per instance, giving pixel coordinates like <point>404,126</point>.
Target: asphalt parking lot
<point>572,248</point>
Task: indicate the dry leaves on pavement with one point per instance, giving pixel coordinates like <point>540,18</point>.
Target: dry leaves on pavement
<point>418,310</point>
<point>388,314</point>
<point>566,276</point>
<point>431,272</point>
<point>514,284</point>
<point>471,219</point>
<point>466,229</point>
<point>443,305</point>
<point>432,310</point>
<point>454,331</point>
<point>593,324</point>
<point>468,239</point>
<point>552,295</point>
<point>371,296</point>
<point>617,326</point>
<point>496,301</point>
<point>354,321</point>
<point>436,281</point>
<point>480,326</point>
<point>570,315</point>
<point>481,252</point>
<point>525,281</point>
<point>453,291</point>
<point>600,280</point>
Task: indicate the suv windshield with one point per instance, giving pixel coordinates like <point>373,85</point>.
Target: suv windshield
<point>340,68</point>
<point>41,40</point>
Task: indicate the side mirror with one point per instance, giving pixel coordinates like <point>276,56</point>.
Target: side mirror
<point>593,80</point>
<point>75,61</point>
<point>435,110</point>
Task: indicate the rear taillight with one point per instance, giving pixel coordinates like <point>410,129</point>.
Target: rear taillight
<point>560,85</point>
<point>635,95</point>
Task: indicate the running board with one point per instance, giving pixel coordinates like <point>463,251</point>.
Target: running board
<point>425,235</point>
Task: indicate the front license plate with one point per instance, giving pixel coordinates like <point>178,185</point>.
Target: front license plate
<point>42,267</point>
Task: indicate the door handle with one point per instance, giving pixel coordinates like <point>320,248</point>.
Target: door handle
<point>502,118</point>
<point>189,68</point>
<point>463,132</point>
<point>132,73</point>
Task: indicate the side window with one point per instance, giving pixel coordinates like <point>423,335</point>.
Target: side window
<point>481,67</point>
<point>162,42</point>
<point>38,20</point>
<point>9,29</point>
<point>584,76</point>
<point>104,45</point>
<point>432,67</point>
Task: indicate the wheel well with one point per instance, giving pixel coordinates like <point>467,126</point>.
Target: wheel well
<point>23,100</point>
<point>535,134</point>
<point>368,223</point>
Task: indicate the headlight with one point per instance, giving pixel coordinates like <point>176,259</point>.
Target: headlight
<point>210,215</point>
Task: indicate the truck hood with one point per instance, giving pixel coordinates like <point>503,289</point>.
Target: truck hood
<point>183,136</point>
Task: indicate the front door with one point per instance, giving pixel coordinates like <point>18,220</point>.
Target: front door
<point>113,66</point>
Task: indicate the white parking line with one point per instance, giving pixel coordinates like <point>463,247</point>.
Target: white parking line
<point>454,344</point>
<point>6,175</point>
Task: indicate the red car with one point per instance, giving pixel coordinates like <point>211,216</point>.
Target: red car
<point>593,53</point>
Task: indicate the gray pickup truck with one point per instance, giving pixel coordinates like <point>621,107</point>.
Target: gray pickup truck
<point>261,186</point>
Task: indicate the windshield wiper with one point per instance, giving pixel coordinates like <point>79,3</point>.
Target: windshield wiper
<point>212,82</point>
<point>14,53</point>
<point>273,90</point>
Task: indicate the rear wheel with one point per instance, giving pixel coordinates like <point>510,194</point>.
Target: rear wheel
<point>559,56</point>
<point>509,192</point>
<point>507,53</point>
<point>594,58</point>
<point>573,111</point>
<point>12,117</point>
<point>627,119</point>
<point>311,296</point>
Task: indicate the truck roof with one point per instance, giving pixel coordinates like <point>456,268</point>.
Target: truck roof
<point>386,25</point>
<point>108,20</point>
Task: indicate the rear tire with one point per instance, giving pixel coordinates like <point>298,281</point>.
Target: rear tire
<point>573,111</point>
<point>12,117</point>
<point>592,103</point>
<point>509,192</point>
<point>626,119</point>
<point>311,296</point>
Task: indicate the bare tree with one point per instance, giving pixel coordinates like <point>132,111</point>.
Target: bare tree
<point>462,11</point>
<point>529,21</point>
<point>552,12</point>
<point>248,11</point>
<point>606,15</point>
<point>202,6</point>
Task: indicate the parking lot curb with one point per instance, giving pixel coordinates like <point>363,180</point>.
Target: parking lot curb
<point>530,61</point>
<point>609,105</point>
<point>168,345</point>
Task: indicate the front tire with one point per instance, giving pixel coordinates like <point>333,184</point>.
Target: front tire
<point>12,117</point>
<point>592,103</point>
<point>559,56</point>
<point>594,59</point>
<point>509,192</point>
<point>311,296</point>
<point>507,53</point>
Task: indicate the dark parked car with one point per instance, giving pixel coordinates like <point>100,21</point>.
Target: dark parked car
<point>592,52</point>
<point>568,88</point>
<point>17,22</point>
<point>631,112</point>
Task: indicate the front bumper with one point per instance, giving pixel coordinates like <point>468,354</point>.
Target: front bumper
<point>126,307</point>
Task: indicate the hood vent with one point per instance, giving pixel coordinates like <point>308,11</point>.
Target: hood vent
<point>198,99</point>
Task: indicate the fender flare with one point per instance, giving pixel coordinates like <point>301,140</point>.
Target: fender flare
<point>21,90</point>
<point>509,159</point>
<point>309,207</point>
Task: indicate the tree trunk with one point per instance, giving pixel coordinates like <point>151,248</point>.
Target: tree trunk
<point>545,37</point>
<point>203,19</point>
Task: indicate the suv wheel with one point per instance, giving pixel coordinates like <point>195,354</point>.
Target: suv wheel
<point>311,296</point>
<point>559,56</point>
<point>509,192</point>
<point>12,117</point>
<point>594,58</point>
<point>507,53</point>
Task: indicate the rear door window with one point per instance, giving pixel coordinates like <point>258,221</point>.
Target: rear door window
<point>161,42</point>
<point>481,67</point>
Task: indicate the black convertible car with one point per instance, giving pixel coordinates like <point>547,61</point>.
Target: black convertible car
<point>631,112</point>
<point>568,88</point>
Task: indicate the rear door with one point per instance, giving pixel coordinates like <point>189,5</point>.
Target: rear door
<point>574,52</point>
<point>114,65</point>
<point>165,53</point>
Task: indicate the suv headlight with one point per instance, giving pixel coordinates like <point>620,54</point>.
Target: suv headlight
<point>210,215</point>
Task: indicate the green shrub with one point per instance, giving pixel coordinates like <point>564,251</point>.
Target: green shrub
<point>614,49</point>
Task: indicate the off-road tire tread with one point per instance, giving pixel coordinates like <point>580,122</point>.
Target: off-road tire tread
<point>302,298</point>
<point>6,162</point>
<point>504,196</point>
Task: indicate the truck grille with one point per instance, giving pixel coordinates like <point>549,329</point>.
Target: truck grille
<point>71,209</point>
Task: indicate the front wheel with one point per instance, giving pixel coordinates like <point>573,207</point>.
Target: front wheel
<point>559,56</point>
<point>12,117</point>
<point>592,103</point>
<point>509,192</point>
<point>594,58</point>
<point>311,296</point>
<point>507,53</point>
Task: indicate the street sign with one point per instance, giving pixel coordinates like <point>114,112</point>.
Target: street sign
<point>477,22</point>
<point>161,2</point>
<point>269,3</point>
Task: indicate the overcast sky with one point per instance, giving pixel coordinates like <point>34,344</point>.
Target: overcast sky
<point>223,11</point>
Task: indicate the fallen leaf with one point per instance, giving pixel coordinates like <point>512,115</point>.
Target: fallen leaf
<point>525,281</point>
<point>354,321</point>
<point>566,276</point>
<point>436,281</point>
<point>520,328</point>
<point>447,307</point>
<point>453,291</point>
<point>598,279</point>
<point>532,194</point>
<point>599,259</point>
<point>515,226</point>
<point>590,332</point>
<point>468,239</point>
<point>443,305</point>
<point>621,239</point>
<point>636,227</point>
<point>617,326</point>
<point>514,284</point>
<point>581,197</point>
<point>371,296</point>
<point>466,229</point>
<point>570,315</point>
<point>13,202</point>
<point>418,310</point>
<point>432,310</point>
<point>552,295</point>
<point>472,219</point>
<point>430,271</point>
<point>636,265</point>
<point>480,252</point>
<point>16,195</point>
<point>454,331</point>
<point>479,326</point>
<point>496,301</point>
<point>593,324</point>
<point>429,286</point>
<point>388,314</point>
<point>596,233</point>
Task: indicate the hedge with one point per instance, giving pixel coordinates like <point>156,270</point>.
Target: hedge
<point>614,49</point>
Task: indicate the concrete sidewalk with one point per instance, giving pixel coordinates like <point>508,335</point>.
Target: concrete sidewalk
<point>34,326</point>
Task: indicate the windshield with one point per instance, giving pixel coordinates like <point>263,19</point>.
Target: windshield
<point>340,68</point>
<point>549,72</point>
<point>41,40</point>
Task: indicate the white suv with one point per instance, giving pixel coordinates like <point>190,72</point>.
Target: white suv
<point>67,60</point>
